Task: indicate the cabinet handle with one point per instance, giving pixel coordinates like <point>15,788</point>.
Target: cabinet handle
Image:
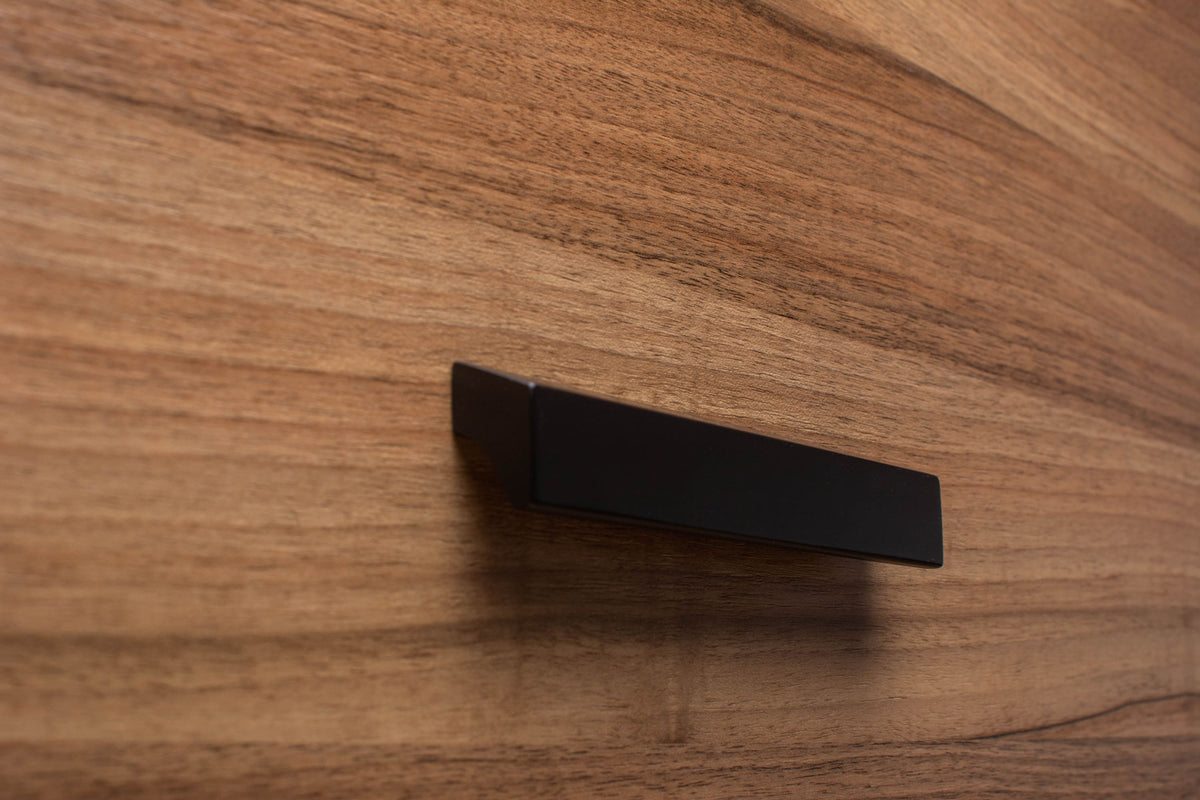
<point>561,451</point>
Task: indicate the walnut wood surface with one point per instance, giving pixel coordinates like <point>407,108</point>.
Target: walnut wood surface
<point>241,553</point>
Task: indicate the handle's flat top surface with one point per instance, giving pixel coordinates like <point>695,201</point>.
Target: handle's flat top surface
<point>608,457</point>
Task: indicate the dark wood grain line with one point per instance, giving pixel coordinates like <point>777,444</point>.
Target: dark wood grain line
<point>1067,723</point>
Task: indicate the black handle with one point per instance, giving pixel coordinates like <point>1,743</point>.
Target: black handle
<point>563,451</point>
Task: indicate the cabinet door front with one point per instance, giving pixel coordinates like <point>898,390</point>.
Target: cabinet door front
<point>242,552</point>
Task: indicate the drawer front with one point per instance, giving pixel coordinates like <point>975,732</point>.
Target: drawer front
<point>241,244</point>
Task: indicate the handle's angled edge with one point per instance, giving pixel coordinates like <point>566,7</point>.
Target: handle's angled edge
<point>494,410</point>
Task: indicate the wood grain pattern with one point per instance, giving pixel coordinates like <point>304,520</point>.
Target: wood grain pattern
<point>241,243</point>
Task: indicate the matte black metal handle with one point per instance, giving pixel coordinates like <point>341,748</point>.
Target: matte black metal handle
<point>558,450</point>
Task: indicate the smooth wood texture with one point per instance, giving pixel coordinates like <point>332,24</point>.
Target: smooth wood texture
<point>241,553</point>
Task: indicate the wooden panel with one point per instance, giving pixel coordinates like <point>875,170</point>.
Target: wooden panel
<point>241,243</point>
